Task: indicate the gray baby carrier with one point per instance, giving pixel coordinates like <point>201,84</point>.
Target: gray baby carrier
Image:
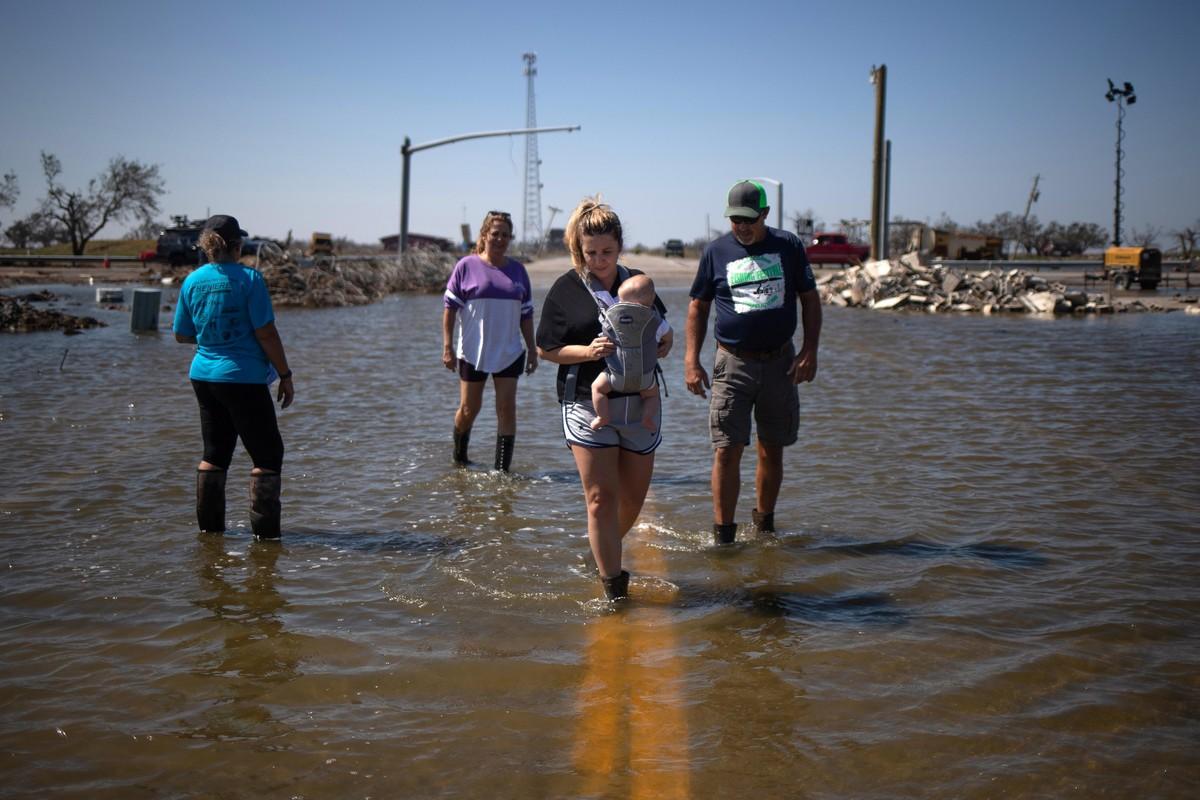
<point>633,328</point>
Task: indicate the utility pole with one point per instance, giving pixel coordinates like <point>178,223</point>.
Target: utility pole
<point>879,78</point>
<point>549,227</point>
<point>884,240</point>
<point>1034,194</point>
<point>532,228</point>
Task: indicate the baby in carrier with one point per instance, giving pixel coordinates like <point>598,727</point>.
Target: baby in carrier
<point>636,328</point>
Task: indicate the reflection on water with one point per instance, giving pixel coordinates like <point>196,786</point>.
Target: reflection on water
<point>983,583</point>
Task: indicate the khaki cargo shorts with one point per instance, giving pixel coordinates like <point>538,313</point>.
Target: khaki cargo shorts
<point>741,386</point>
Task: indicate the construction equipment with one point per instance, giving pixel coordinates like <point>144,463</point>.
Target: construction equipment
<point>1124,265</point>
<point>321,244</point>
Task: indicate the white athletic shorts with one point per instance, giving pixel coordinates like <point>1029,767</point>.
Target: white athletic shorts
<point>624,431</point>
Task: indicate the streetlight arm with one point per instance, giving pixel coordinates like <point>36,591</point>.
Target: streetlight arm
<point>414,148</point>
<point>408,148</point>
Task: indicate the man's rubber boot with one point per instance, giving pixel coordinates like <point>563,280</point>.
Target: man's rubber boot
<point>724,534</point>
<point>616,588</point>
<point>504,452</point>
<point>763,520</point>
<point>461,440</point>
<point>210,500</point>
<point>264,505</point>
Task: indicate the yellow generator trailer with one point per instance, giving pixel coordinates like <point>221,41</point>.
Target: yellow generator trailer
<point>1124,265</point>
<point>321,244</point>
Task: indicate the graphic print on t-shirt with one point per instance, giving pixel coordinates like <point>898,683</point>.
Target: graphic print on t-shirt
<point>755,282</point>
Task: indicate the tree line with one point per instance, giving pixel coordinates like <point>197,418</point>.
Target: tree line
<point>126,191</point>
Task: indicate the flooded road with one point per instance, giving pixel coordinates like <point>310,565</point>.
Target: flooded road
<point>984,583</point>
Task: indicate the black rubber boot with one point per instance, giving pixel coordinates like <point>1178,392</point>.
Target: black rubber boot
<point>504,452</point>
<point>210,500</point>
<point>264,505</point>
<point>764,520</point>
<point>724,534</point>
<point>461,440</point>
<point>616,588</point>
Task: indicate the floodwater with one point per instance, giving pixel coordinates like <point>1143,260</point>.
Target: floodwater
<point>984,583</point>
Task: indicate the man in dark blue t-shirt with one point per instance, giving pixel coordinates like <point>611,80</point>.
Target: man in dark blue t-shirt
<point>755,274</point>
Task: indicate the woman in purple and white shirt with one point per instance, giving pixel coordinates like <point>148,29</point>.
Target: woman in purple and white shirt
<point>495,335</point>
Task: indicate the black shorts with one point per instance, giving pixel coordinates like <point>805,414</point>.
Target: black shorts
<point>468,373</point>
<point>232,410</point>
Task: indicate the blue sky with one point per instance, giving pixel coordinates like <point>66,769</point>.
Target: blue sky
<point>290,115</point>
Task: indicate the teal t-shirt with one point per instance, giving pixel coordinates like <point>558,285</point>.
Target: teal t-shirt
<point>222,305</point>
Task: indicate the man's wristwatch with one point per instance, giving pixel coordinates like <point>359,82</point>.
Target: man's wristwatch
<point>285,375</point>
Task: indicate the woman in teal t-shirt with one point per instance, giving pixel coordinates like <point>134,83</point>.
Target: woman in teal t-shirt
<point>225,310</point>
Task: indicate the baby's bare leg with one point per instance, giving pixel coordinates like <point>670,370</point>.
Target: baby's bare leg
<point>650,406</point>
<point>600,389</point>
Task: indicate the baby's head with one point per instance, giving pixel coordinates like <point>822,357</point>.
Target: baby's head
<point>636,289</point>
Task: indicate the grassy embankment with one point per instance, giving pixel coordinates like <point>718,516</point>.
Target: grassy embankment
<point>96,247</point>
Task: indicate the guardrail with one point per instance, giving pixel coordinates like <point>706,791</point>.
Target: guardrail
<point>32,259</point>
<point>1188,266</point>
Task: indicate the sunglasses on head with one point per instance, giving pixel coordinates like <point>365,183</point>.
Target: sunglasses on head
<point>743,220</point>
<point>504,214</point>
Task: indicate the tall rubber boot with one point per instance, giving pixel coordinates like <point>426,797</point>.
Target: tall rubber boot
<point>724,534</point>
<point>210,500</point>
<point>264,505</point>
<point>763,520</point>
<point>461,440</point>
<point>504,452</point>
<point>616,588</point>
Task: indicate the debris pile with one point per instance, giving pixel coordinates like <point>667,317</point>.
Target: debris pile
<point>907,283</point>
<point>18,315</point>
<point>356,282</point>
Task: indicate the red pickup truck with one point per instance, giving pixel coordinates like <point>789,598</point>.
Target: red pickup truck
<point>835,248</point>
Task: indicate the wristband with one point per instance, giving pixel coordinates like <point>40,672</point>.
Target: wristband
<point>285,375</point>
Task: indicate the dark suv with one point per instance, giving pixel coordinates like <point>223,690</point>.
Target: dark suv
<point>674,247</point>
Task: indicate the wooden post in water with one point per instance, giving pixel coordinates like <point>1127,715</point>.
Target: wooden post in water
<point>144,316</point>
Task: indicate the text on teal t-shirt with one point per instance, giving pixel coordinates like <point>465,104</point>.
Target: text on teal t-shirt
<point>221,305</point>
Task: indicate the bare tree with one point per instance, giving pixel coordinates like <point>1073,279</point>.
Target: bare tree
<point>146,229</point>
<point>127,189</point>
<point>1187,240</point>
<point>1145,237</point>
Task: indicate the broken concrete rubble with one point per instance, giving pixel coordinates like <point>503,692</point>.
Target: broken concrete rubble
<point>907,283</point>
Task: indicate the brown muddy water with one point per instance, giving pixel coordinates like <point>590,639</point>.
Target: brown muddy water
<point>984,585</point>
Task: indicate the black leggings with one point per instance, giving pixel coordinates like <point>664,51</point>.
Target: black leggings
<point>230,410</point>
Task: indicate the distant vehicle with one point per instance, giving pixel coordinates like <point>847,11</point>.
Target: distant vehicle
<point>1124,265</point>
<point>177,245</point>
<point>673,247</point>
<point>835,248</point>
<point>956,245</point>
<point>321,244</point>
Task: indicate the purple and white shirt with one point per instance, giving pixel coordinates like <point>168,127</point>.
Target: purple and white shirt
<point>491,303</point>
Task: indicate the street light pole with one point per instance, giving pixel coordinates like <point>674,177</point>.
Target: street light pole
<point>408,148</point>
<point>778,198</point>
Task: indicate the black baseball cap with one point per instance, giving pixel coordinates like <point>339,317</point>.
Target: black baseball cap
<point>226,226</point>
<point>746,199</point>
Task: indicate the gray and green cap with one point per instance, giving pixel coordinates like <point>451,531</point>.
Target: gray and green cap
<point>746,199</point>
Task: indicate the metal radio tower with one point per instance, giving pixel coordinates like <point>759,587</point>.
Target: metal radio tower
<point>532,230</point>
